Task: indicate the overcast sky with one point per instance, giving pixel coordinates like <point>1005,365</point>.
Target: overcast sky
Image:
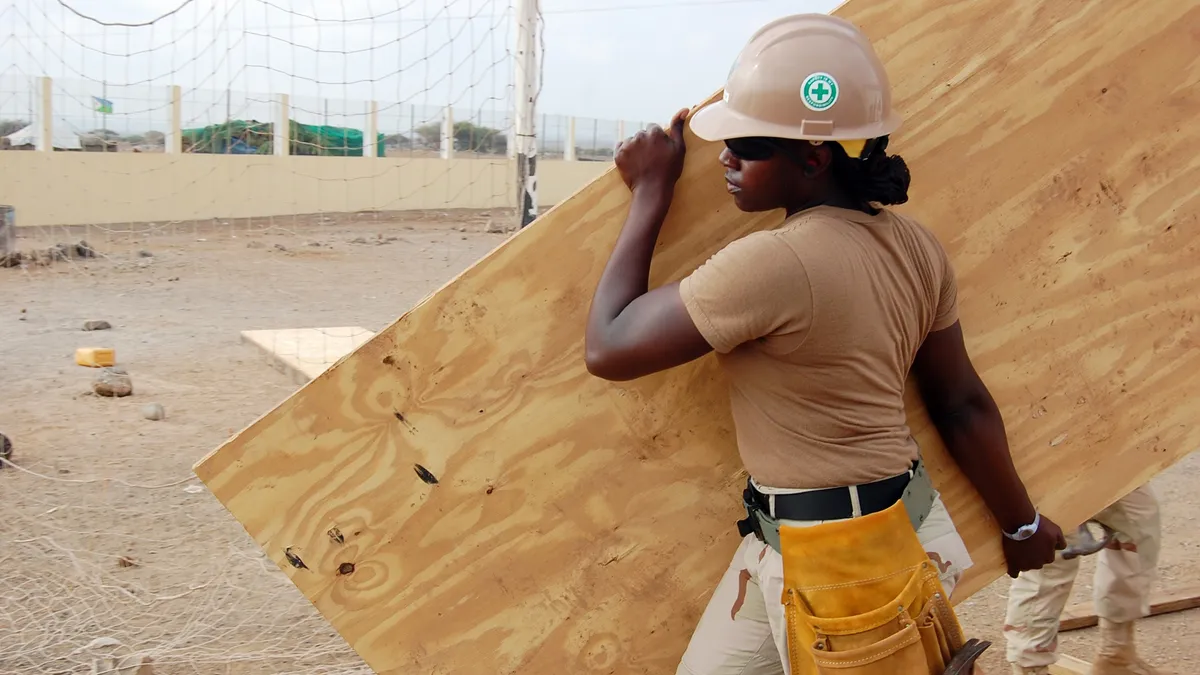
<point>637,60</point>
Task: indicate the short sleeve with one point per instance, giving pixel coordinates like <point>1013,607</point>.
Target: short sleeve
<point>947,304</point>
<point>752,288</point>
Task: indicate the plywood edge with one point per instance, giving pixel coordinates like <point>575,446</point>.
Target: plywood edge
<point>1084,615</point>
<point>608,174</point>
<point>260,339</point>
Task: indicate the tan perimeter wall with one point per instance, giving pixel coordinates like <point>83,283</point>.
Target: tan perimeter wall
<point>71,188</point>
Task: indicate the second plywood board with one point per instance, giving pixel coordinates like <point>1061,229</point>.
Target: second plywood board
<point>579,526</point>
<point>305,353</point>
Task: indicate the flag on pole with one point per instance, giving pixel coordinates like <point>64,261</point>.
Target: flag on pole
<point>103,105</point>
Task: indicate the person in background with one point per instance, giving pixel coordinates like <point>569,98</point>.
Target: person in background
<point>1125,570</point>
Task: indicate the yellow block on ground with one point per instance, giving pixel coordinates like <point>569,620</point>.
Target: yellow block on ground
<point>305,353</point>
<point>95,357</point>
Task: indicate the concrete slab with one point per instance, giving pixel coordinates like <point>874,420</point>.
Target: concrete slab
<point>305,353</point>
<point>1069,665</point>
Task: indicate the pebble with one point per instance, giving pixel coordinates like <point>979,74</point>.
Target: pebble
<point>145,254</point>
<point>154,412</point>
<point>255,244</point>
<point>113,382</point>
<point>5,449</point>
<point>97,325</point>
<point>494,228</point>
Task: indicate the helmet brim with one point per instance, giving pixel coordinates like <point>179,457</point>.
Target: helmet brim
<point>719,122</point>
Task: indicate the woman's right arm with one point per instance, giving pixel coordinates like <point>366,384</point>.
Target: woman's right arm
<point>969,422</point>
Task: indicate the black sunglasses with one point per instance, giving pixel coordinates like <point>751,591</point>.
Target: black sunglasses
<point>755,148</point>
<point>758,148</point>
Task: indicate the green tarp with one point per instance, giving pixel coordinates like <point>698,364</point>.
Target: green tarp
<point>242,137</point>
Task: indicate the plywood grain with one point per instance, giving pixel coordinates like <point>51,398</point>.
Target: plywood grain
<point>579,526</point>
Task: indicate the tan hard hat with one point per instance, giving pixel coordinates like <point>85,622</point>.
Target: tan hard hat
<point>807,76</point>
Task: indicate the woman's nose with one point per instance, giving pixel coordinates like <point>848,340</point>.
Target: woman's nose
<point>728,159</point>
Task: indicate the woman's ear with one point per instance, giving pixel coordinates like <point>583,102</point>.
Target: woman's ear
<point>819,159</point>
<point>814,158</point>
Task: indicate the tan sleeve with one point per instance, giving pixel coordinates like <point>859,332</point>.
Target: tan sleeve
<point>755,286</point>
<point>947,306</point>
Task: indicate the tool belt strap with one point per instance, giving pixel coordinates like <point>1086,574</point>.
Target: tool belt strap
<point>916,491</point>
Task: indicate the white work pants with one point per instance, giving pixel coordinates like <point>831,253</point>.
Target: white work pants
<point>1121,589</point>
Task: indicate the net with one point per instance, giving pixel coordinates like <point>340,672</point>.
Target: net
<point>165,209</point>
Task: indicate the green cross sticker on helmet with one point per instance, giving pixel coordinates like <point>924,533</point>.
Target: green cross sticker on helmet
<point>820,91</point>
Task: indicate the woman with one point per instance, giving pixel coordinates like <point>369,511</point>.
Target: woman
<point>816,323</point>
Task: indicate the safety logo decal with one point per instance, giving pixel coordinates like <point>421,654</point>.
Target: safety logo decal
<point>820,91</point>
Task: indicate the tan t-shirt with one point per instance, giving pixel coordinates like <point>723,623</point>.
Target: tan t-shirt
<point>816,324</point>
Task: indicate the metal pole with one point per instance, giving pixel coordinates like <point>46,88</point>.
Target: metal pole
<point>104,117</point>
<point>526,95</point>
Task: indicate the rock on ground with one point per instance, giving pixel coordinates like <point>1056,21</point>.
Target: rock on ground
<point>97,325</point>
<point>154,412</point>
<point>113,382</point>
<point>5,449</point>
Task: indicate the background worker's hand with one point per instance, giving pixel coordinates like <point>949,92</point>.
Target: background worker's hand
<point>1036,551</point>
<point>653,157</point>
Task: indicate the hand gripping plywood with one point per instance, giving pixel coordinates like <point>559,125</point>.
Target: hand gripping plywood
<point>458,495</point>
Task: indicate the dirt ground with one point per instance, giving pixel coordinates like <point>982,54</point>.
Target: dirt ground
<point>109,543</point>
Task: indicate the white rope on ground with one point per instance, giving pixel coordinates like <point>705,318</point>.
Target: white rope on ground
<point>96,578</point>
<point>85,481</point>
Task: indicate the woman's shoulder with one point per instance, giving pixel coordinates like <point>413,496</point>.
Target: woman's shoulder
<point>909,222</point>
<point>754,250</point>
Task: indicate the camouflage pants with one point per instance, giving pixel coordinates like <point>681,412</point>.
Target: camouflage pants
<point>1121,589</point>
<point>743,631</point>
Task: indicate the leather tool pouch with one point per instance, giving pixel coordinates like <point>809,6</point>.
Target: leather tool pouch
<point>863,598</point>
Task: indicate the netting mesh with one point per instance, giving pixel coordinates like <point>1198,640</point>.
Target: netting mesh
<point>115,557</point>
<point>146,574</point>
<point>163,207</point>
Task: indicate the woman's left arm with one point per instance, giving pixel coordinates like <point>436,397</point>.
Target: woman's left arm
<point>631,330</point>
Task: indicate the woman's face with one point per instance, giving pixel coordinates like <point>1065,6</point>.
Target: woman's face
<point>768,174</point>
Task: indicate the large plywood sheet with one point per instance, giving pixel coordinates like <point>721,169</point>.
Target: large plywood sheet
<point>579,526</point>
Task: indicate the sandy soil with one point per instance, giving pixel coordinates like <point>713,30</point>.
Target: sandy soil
<point>110,538</point>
